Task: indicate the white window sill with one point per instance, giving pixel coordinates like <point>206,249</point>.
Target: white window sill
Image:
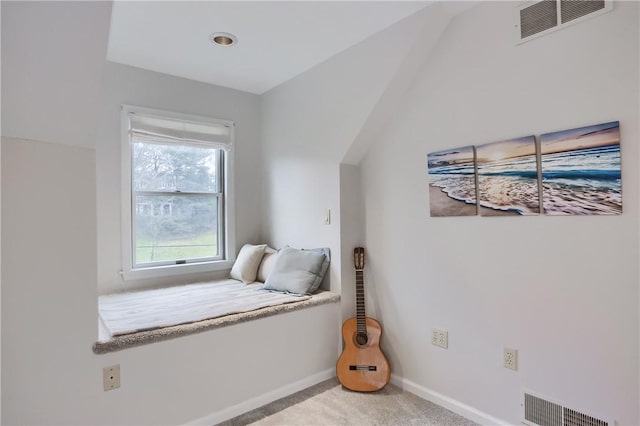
<point>174,270</point>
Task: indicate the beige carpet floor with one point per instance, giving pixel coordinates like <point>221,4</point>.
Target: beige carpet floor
<point>328,403</point>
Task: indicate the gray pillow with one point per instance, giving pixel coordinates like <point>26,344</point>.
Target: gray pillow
<point>298,271</point>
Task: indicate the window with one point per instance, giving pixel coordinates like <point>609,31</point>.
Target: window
<point>177,193</point>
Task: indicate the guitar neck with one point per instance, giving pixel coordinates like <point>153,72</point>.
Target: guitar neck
<point>361,318</point>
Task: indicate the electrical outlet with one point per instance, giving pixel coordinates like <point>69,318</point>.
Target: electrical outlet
<point>510,359</point>
<point>440,338</point>
<point>111,377</point>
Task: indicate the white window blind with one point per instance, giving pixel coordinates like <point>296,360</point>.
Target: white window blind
<point>163,129</point>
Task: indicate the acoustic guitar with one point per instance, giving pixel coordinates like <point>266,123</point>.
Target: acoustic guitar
<point>362,366</point>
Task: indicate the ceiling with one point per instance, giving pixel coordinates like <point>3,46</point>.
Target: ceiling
<point>276,40</point>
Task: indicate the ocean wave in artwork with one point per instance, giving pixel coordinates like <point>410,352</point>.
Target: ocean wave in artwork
<point>509,185</point>
<point>453,172</point>
<point>508,193</point>
<point>582,182</point>
<point>560,199</point>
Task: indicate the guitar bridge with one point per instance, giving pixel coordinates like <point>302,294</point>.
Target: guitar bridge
<point>363,368</point>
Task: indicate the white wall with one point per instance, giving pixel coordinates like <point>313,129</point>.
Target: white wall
<point>0,279</point>
<point>310,122</point>
<point>352,232</point>
<point>0,234</point>
<point>59,220</point>
<point>128,85</point>
<point>562,290</point>
<point>32,107</point>
<point>48,281</point>
<point>50,86</point>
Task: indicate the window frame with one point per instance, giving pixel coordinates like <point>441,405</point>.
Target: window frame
<point>129,270</point>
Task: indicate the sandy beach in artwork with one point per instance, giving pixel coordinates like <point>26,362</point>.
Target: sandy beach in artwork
<point>443,205</point>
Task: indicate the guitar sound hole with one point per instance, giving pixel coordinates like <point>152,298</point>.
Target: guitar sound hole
<point>361,339</point>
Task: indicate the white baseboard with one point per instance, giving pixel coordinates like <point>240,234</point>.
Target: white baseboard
<point>449,403</point>
<point>260,400</point>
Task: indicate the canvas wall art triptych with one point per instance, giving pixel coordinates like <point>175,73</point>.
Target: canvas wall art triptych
<point>571,172</point>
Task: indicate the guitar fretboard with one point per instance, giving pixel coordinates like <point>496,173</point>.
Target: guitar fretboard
<point>361,322</point>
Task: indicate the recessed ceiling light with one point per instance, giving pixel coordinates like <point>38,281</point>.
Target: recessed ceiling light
<point>223,39</point>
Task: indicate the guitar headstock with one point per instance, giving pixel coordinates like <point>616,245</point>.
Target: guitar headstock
<point>358,258</point>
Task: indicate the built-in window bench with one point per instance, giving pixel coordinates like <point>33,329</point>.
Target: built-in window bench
<point>190,309</point>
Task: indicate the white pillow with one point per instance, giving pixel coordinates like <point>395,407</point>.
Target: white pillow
<point>246,265</point>
<point>266,266</point>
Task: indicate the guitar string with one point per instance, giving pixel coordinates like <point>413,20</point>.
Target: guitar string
<point>361,322</point>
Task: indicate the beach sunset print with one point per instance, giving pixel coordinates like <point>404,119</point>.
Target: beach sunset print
<point>508,177</point>
<point>452,182</point>
<point>581,171</point>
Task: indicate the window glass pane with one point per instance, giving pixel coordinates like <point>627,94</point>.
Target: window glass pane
<point>173,228</point>
<point>159,167</point>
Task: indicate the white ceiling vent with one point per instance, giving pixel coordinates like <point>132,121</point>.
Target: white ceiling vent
<point>542,412</point>
<point>534,19</point>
